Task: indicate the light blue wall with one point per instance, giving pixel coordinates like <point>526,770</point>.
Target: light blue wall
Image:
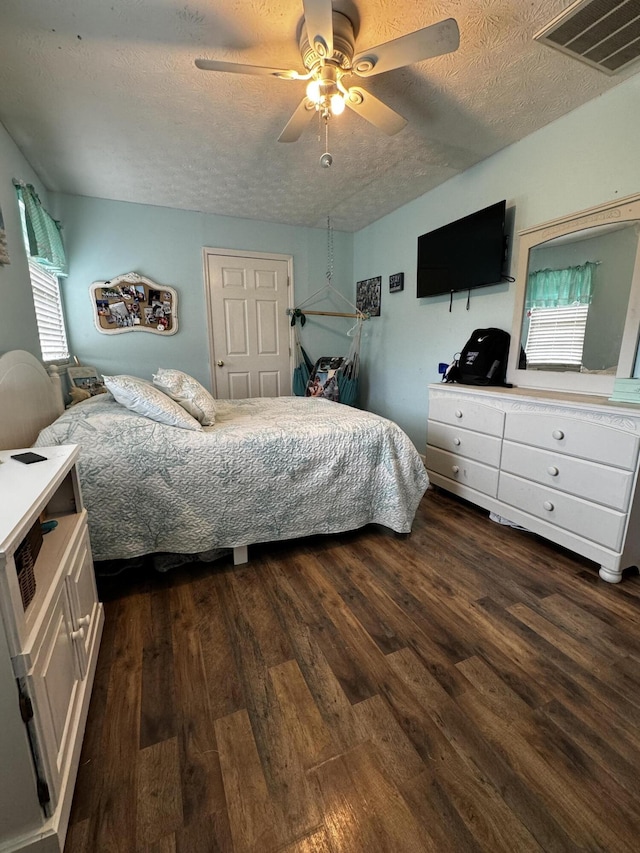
<point>18,328</point>
<point>106,238</point>
<point>585,158</point>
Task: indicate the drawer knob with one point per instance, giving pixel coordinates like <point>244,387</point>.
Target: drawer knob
<point>83,622</point>
<point>456,441</point>
<point>553,470</point>
<point>78,635</point>
<point>548,505</point>
<point>557,433</point>
<point>455,469</point>
<point>458,413</point>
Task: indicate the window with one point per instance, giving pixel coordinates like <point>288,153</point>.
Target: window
<point>47,301</point>
<point>556,336</point>
<point>48,305</point>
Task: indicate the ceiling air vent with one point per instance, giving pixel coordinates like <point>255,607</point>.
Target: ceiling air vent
<point>603,33</point>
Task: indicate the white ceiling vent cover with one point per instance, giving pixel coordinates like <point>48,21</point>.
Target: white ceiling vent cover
<point>603,33</point>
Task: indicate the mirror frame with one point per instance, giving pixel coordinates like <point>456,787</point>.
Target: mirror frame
<point>621,210</point>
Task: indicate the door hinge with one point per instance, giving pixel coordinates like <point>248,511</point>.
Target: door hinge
<point>43,792</point>
<point>26,708</point>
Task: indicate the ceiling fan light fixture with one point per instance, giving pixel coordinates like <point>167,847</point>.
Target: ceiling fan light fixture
<point>326,40</point>
<point>337,104</point>
<point>313,91</point>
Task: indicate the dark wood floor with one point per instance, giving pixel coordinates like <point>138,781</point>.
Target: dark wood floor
<point>467,688</point>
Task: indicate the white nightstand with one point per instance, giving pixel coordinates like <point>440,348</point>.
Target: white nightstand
<point>48,650</point>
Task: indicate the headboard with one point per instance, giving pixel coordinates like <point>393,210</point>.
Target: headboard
<point>30,399</point>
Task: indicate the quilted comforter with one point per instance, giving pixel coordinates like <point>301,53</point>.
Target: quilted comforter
<point>268,469</point>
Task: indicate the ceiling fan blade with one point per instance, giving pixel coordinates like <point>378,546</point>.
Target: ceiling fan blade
<point>318,17</point>
<point>426,43</point>
<point>257,70</point>
<point>297,122</point>
<point>374,111</point>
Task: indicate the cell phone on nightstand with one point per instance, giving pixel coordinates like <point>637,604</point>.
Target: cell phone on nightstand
<point>29,458</point>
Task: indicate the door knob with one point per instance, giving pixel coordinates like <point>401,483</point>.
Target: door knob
<point>84,621</point>
<point>78,635</point>
<point>220,363</point>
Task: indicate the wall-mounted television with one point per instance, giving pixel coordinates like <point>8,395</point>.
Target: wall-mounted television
<point>469,252</point>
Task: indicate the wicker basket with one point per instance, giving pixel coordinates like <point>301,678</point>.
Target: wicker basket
<point>25,557</point>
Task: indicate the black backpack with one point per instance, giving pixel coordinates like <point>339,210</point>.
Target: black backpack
<point>482,360</point>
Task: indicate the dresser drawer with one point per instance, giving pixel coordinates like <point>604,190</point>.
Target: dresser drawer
<point>588,440</point>
<point>588,480</point>
<point>465,442</point>
<point>467,414</point>
<point>590,521</point>
<point>467,472</point>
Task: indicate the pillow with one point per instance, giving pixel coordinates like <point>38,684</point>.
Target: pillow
<point>188,392</point>
<point>142,397</point>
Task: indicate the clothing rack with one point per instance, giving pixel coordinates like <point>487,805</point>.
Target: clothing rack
<point>359,315</point>
<point>328,287</point>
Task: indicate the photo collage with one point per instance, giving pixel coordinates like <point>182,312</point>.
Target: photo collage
<point>129,306</point>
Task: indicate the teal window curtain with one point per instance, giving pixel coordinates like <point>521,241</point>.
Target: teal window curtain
<point>42,233</point>
<point>555,288</point>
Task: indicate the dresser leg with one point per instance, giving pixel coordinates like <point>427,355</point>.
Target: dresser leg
<point>609,575</point>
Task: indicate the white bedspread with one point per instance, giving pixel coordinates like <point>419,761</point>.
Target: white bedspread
<point>269,469</point>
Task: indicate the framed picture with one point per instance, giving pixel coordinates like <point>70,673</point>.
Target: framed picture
<point>396,282</point>
<point>86,378</point>
<point>134,303</point>
<point>368,296</point>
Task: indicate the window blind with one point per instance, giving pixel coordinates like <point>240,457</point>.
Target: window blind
<point>48,306</point>
<point>556,335</point>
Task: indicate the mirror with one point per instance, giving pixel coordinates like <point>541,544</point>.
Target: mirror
<point>577,309</point>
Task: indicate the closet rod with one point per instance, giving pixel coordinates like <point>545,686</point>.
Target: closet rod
<point>333,314</point>
<point>361,315</point>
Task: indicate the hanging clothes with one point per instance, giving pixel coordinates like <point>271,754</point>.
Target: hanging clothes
<point>303,368</point>
<point>332,377</point>
<point>348,373</point>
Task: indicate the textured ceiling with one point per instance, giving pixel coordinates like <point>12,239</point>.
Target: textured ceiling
<point>104,100</point>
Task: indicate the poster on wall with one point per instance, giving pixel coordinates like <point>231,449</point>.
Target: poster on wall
<point>134,303</point>
<point>368,296</point>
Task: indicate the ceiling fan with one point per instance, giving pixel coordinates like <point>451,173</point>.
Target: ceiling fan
<point>328,54</point>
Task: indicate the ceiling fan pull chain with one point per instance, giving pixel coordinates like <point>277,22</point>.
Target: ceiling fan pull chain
<point>329,250</point>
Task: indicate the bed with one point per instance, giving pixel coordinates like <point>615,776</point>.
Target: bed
<point>269,469</point>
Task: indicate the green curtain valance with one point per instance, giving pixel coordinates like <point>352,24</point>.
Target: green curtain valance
<point>42,232</point>
<point>553,288</point>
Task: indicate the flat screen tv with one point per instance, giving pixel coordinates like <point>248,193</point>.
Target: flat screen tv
<point>469,252</point>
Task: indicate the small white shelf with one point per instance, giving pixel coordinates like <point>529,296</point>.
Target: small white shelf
<point>48,651</point>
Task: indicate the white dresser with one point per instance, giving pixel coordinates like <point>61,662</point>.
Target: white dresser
<point>563,466</point>
<point>49,639</point>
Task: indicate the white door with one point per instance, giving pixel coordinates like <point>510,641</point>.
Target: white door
<point>250,335</point>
